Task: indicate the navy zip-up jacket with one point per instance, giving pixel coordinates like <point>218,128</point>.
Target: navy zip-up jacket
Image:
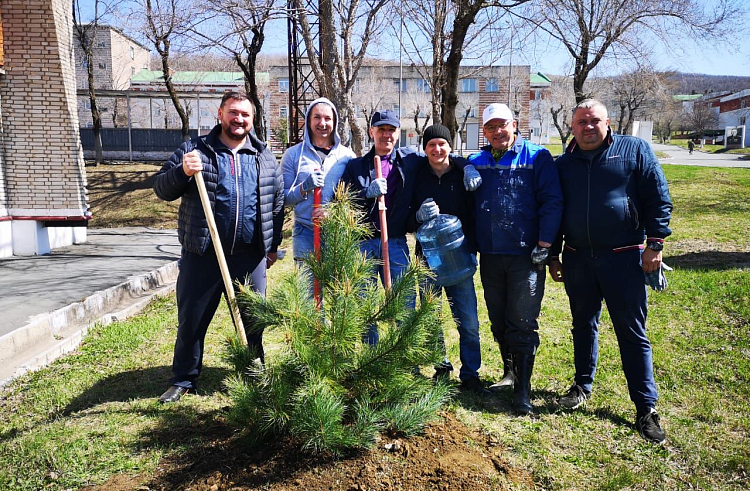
<point>449,193</point>
<point>519,202</point>
<point>361,171</point>
<point>171,183</point>
<point>615,200</point>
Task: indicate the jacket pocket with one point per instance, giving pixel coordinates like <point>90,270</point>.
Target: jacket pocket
<point>631,213</point>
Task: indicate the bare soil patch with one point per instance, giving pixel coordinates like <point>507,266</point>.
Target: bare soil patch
<point>448,456</point>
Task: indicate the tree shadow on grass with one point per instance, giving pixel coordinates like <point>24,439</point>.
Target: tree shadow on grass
<point>139,384</point>
<point>715,260</point>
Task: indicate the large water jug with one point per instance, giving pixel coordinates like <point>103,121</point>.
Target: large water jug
<point>442,240</point>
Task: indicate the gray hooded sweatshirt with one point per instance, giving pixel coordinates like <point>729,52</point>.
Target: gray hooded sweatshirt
<point>301,159</point>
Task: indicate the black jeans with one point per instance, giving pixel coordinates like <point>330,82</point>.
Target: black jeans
<point>199,291</point>
<point>513,291</point>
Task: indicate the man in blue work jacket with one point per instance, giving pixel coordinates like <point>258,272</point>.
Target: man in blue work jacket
<point>518,209</point>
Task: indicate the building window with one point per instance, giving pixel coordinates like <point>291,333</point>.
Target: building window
<point>85,63</point>
<point>743,104</point>
<point>132,53</point>
<point>283,111</point>
<point>403,84</point>
<point>396,110</point>
<point>283,85</point>
<point>103,66</point>
<point>473,112</point>
<point>102,44</point>
<point>423,86</point>
<point>87,104</point>
<point>492,85</point>
<point>469,85</point>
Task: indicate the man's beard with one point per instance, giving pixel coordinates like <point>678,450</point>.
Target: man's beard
<point>233,136</point>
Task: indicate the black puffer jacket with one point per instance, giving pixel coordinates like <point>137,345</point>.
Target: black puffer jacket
<point>192,228</point>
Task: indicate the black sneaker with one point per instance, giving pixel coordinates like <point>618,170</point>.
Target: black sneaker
<point>475,386</point>
<point>442,373</point>
<point>575,397</point>
<point>647,424</point>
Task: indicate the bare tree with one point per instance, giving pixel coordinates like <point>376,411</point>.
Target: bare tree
<point>702,118</point>
<point>633,90</point>
<point>85,35</point>
<point>237,27</point>
<point>592,30</point>
<point>368,94</point>
<point>345,29</point>
<point>561,105</point>
<point>162,22</point>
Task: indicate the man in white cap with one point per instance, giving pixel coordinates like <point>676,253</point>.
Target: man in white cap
<point>518,209</point>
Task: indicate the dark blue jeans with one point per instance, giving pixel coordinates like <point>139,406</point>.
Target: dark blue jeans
<point>617,278</point>
<point>513,292</point>
<point>463,301</point>
<point>199,291</point>
<point>398,255</point>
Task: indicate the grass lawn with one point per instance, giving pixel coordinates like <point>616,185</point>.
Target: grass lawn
<point>94,414</point>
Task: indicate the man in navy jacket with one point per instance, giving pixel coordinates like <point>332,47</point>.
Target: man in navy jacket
<point>246,190</point>
<point>518,209</point>
<point>616,197</point>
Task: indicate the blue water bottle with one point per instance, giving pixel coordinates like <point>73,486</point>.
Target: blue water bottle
<point>442,240</point>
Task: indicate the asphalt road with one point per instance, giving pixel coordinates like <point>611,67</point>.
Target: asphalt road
<point>681,156</point>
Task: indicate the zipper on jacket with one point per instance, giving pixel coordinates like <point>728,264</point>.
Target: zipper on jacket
<point>588,209</point>
<point>237,195</point>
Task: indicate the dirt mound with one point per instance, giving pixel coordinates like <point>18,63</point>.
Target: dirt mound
<point>448,456</point>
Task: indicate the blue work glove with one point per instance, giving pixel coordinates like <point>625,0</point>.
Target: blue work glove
<point>427,211</point>
<point>314,180</point>
<point>657,280</point>
<point>472,179</point>
<point>377,187</point>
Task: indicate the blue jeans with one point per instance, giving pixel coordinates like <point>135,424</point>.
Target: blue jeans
<point>513,291</point>
<point>398,255</point>
<point>617,278</point>
<point>463,301</point>
<point>302,242</point>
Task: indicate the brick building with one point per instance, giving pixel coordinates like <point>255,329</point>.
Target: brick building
<point>117,58</point>
<point>42,174</point>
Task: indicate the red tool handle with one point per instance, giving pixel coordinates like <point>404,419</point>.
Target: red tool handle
<point>383,230</point>
<point>316,243</point>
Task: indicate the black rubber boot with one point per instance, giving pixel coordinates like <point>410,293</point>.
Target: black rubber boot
<point>523,366</point>
<point>509,377</point>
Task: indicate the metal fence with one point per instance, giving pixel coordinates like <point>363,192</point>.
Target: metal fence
<point>142,140</point>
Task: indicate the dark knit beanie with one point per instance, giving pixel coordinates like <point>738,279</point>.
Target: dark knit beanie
<point>435,131</point>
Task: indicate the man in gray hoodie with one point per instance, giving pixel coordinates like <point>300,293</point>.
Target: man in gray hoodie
<point>317,162</point>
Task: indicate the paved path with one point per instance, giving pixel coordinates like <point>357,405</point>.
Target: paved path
<point>35,285</point>
<point>678,155</point>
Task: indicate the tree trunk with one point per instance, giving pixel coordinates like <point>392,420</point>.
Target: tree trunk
<point>465,16</point>
<point>96,115</point>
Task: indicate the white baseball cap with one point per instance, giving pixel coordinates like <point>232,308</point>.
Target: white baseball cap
<point>496,111</point>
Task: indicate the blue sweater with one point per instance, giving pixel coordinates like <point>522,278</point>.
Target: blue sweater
<point>519,202</point>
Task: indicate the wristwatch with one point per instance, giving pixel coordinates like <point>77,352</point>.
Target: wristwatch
<point>655,245</point>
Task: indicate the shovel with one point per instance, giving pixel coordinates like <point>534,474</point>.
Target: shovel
<point>231,298</point>
<point>383,230</point>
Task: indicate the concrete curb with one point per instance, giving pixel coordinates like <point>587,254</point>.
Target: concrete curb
<point>49,336</point>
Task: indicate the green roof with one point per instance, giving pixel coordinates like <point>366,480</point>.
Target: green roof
<point>686,97</point>
<point>539,78</point>
<point>148,76</point>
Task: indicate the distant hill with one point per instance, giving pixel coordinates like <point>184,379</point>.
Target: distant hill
<point>698,83</point>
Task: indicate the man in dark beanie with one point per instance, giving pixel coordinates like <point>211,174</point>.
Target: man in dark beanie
<point>440,188</point>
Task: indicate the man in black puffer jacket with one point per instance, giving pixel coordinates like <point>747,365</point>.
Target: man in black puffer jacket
<point>246,191</point>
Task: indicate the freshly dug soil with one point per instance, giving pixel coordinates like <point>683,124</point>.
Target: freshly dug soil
<point>448,456</point>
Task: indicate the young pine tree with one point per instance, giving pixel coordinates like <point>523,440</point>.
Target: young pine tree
<point>326,387</point>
